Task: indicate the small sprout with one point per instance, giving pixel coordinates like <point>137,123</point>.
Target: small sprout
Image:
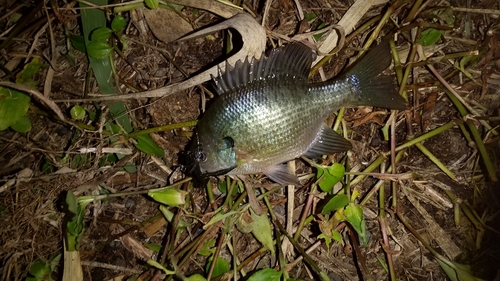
<point>77,112</point>
<point>118,23</point>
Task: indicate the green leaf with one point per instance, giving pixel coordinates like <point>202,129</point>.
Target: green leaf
<point>78,43</point>
<point>221,267</point>
<point>161,267</point>
<point>26,75</point>
<point>169,216</point>
<point>196,277</point>
<point>13,105</point>
<point>317,36</point>
<point>354,215</point>
<point>310,16</point>
<point>208,248</point>
<point>99,50</point>
<point>118,23</point>
<point>170,196</point>
<point>77,112</point>
<point>23,125</point>
<point>327,239</point>
<point>146,144</point>
<point>40,270</point>
<point>91,20</point>
<point>329,176</point>
<point>337,202</point>
<point>153,247</point>
<point>267,274</point>
<point>261,229</point>
<point>101,34</point>
<point>336,235</point>
<point>152,4</point>
<point>459,272</point>
<point>430,36</point>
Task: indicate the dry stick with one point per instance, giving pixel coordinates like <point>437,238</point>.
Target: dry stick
<point>381,218</point>
<point>222,237</point>
<point>477,11</point>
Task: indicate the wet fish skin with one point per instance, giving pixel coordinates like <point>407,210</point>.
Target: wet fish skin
<point>267,114</point>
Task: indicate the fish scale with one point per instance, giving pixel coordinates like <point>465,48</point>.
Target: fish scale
<point>266,113</point>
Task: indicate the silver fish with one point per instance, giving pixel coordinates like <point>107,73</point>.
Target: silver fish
<point>266,113</point>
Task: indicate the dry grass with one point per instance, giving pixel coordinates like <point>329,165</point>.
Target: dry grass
<point>31,212</point>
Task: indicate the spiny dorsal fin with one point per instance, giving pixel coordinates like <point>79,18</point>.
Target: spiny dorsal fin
<point>293,59</point>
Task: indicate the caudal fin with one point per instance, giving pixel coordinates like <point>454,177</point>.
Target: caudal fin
<point>372,89</point>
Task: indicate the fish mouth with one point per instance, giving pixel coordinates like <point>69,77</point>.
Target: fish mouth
<point>200,179</point>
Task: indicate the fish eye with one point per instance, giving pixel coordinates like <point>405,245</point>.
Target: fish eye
<point>229,142</point>
<point>200,156</point>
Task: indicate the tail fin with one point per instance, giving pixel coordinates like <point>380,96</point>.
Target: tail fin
<point>375,90</point>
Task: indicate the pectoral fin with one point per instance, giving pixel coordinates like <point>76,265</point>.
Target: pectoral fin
<point>280,174</point>
<point>327,142</point>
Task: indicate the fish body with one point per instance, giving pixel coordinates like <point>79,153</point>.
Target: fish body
<point>266,113</point>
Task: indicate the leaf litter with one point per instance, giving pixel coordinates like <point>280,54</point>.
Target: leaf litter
<point>415,221</point>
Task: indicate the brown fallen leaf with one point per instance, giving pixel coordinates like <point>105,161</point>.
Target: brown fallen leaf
<point>166,25</point>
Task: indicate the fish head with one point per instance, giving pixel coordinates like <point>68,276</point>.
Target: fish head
<point>210,157</point>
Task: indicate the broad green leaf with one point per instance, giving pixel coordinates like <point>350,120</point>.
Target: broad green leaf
<point>91,20</point>
<point>337,202</point>
<point>78,43</point>
<point>221,267</point>
<point>430,36</point>
<point>26,75</point>
<point>170,196</point>
<point>13,105</point>
<point>99,50</point>
<point>261,229</point>
<point>23,125</point>
<point>329,176</point>
<point>196,277</point>
<point>146,144</point>
<point>354,215</point>
<point>77,112</point>
<point>267,274</point>
<point>118,23</point>
<point>101,34</point>
<point>152,4</point>
<point>40,269</point>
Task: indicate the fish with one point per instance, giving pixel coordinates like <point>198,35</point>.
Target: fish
<point>266,113</point>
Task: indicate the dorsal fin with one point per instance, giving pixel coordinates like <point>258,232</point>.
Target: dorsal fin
<point>293,59</point>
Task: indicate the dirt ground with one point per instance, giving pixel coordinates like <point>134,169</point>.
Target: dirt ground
<point>423,206</point>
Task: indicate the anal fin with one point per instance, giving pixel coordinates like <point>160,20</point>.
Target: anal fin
<point>280,174</point>
<point>327,142</point>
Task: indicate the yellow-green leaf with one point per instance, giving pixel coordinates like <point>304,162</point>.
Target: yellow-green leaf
<point>261,229</point>
<point>170,196</point>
